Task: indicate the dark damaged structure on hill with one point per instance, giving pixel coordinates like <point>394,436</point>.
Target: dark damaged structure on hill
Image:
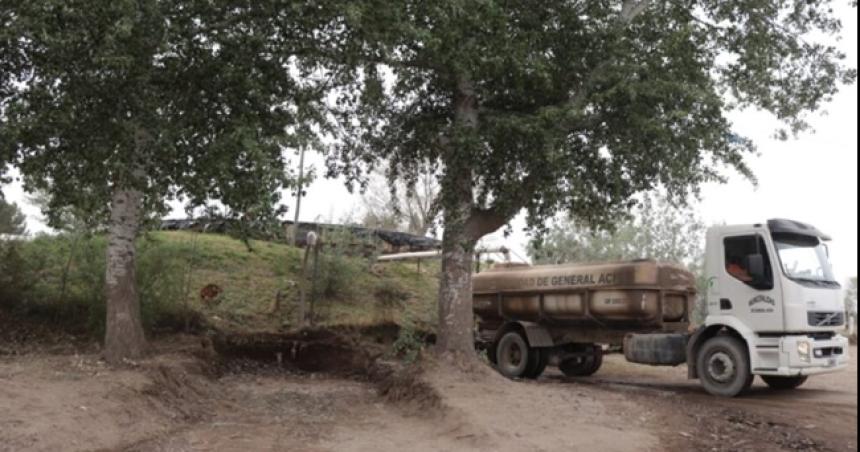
<point>356,239</point>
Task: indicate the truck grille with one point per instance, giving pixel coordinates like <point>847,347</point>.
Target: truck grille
<point>826,318</point>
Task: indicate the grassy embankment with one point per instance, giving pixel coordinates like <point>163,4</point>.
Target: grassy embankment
<point>61,278</point>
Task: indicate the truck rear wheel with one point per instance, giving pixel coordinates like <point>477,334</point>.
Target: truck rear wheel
<point>514,357</point>
<point>582,366</point>
<point>537,362</point>
<point>724,366</point>
<point>783,383</point>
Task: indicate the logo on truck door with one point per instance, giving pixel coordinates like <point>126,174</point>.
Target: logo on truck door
<point>762,299</point>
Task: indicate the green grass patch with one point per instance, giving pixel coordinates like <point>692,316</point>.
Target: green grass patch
<point>61,277</point>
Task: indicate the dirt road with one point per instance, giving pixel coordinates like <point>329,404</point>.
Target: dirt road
<point>821,414</point>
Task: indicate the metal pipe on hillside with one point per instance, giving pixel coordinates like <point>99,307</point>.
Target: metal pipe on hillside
<point>407,256</point>
<point>438,253</point>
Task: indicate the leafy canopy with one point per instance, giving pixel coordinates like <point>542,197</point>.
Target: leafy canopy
<point>575,105</point>
<point>12,220</point>
<point>191,98</point>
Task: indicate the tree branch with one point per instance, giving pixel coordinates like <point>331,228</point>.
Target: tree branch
<point>632,8</point>
<point>486,221</point>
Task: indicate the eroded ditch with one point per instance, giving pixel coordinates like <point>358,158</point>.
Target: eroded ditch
<point>354,353</point>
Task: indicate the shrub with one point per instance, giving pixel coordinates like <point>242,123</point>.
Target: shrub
<point>409,343</point>
<point>12,271</point>
<point>61,278</point>
<point>341,261</point>
<point>162,270</point>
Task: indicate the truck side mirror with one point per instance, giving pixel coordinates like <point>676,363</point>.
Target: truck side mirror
<point>755,267</point>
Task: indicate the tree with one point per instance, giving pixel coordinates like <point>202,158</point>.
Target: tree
<point>397,206</point>
<point>656,229</point>
<point>113,107</point>
<point>574,106</point>
<point>12,220</point>
<point>85,218</point>
<point>851,305</point>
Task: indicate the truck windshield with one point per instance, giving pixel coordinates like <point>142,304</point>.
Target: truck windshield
<point>804,258</point>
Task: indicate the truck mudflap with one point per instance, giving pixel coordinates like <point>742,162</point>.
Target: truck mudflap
<point>665,349</point>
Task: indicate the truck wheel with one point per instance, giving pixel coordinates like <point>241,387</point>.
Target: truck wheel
<point>583,366</point>
<point>537,362</point>
<point>596,360</point>
<point>783,383</point>
<point>724,366</point>
<point>514,357</point>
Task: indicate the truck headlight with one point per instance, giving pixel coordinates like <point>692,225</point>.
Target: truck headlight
<point>803,350</point>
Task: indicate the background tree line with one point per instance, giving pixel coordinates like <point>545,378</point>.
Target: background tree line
<point>12,220</point>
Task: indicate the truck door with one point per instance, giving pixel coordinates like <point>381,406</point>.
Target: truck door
<point>748,289</point>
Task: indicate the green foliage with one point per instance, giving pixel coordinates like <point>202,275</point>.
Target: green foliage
<point>162,273</point>
<point>62,278</point>
<point>342,257</point>
<point>12,220</point>
<point>409,343</point>
<point>173,97</point>
<point>12,269</point>
<point>336,275</point>
<point>411,338</point>
<point>574,106</point>
<point>86,217</point>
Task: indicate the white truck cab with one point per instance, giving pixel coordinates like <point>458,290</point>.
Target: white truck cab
<point>773,306</point>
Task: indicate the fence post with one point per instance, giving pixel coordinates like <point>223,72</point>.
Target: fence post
<point>310,242</point>
<point>314,282</point>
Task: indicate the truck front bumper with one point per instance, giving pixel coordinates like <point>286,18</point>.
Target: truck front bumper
<point>823,356</point>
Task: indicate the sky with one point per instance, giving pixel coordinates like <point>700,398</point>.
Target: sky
<point>811,178</point>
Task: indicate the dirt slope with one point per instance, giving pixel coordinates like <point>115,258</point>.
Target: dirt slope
<point>169,402</point>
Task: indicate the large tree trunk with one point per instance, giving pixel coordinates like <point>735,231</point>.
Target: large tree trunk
<point>124,337</point>
<point>456,320</point>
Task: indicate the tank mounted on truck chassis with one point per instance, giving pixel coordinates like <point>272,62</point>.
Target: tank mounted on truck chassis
<point>773,310</point>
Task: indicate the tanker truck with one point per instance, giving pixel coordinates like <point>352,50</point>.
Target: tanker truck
<point>773,310</point>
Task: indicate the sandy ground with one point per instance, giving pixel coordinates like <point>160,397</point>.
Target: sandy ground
<point>172,402</point>
<point>74,403</point>
<point>822,411</point>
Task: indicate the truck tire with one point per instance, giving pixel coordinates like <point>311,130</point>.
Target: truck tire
<point>724,366</point>
<point>514,357</point>
<point>596,360</point>
<point>582,367</point>
<point>538,360</point>
<point>783,383</point>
